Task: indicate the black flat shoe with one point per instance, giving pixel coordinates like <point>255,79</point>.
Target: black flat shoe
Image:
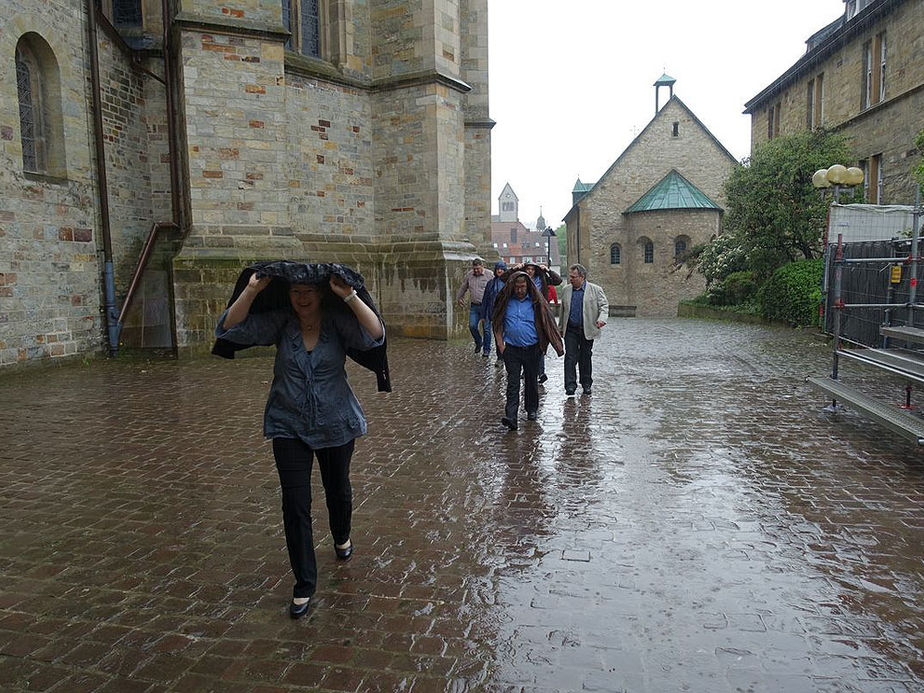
<point>344,554</point>
<point>509,423</point>
<point>532,416</point>
<point>298,610</point>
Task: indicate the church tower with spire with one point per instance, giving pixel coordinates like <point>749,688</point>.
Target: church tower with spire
<point>508,205</point>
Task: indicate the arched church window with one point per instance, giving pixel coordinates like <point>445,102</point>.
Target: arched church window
<point>649,252</point>
<point>40,125</point>
<point>680,247</point>
<point>33,117</point>
<point>615,254</point>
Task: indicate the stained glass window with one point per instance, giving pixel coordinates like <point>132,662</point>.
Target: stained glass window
<point>287,20</point>
<point>31,121</point>
<point>309,25</point>
<point>649,252</point>
<point>126,13</point>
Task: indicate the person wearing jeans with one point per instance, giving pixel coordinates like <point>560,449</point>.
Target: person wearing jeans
<point>523,329</point>
<point>474,283</point>
<point>491,290</point>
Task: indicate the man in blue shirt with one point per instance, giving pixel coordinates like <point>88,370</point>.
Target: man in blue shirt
<point>523,329</point>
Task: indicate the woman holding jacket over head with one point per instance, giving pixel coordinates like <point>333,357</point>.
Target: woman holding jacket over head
<point>311,409</point>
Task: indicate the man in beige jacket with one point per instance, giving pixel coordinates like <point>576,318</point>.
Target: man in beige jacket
<point>584,311</point>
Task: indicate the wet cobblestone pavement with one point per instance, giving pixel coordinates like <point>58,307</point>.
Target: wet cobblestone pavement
<point>694,525</point>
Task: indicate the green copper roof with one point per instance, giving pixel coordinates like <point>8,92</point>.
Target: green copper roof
<point>672,192</point>
<point>581,187</point>
<point>664,80</point>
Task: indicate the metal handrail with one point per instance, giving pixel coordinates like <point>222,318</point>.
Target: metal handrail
<point>156,227</point>
<point>893,260</point>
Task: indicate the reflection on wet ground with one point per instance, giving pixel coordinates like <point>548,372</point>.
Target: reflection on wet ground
<point>696,524</point>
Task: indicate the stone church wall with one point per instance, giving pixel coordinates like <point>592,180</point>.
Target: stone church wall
<point>657,287</point>
<point>374,155</point>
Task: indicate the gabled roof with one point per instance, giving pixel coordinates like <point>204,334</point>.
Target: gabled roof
<point>581,187</point>
<point>672,192</point>
<point>827,41</point>
<point>673,99</point>
<point>506,189</point>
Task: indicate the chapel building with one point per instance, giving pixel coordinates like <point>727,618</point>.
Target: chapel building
<point>661,197</point>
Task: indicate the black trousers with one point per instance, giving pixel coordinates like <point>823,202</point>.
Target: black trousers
<point>293,462</point>
<point>525,359</point>
<point>578,351</point>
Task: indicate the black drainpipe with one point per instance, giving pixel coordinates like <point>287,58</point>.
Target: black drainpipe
<point>115,317</point>
<point>111,315</point>
<point>170,84</point>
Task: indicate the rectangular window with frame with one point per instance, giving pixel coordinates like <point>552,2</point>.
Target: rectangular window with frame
<point>810,104</point>
<point>874,70</point>
<point>814,102</point>
<point>773,121</point>
<point>872,179</point>
<point>819,113</point>
<point>882,65</point>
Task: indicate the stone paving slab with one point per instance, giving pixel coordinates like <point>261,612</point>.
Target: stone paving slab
<point>696,524</point>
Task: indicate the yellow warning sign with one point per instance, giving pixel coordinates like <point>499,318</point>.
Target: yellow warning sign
<point>896,275</point>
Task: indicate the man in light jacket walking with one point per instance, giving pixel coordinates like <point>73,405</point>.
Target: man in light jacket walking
<point>584,311</point>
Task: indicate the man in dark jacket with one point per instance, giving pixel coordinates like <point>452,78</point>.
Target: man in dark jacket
<point>487,306</point>
<point>523,328</point>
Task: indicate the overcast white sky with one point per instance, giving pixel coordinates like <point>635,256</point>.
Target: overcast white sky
<point>571,83</point>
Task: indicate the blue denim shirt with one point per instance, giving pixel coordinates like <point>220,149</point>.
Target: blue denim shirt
<point>310,397</point>
<point>520,323</point>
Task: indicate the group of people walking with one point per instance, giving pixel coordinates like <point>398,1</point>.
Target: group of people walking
<point>512,307</point>
<point>317,315</point>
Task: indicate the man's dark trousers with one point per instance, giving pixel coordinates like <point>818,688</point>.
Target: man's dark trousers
<point>525,359</point>
<point>577,353</point>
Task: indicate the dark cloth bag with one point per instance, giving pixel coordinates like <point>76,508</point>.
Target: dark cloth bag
<point>276,295</point>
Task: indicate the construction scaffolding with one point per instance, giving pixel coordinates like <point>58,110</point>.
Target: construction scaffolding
<point>871,307</point>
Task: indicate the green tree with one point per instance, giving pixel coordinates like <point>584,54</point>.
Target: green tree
<point>774,215</point>
<point>561,237</point>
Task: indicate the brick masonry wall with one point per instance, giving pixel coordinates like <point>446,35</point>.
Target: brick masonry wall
<point>51,262</point>
<point>402,43</point>
<point>474,22</point>
<point>236,132</point>
<point>330,177</point>
<point>888,128</point>
<point>648,159</point>
<point>365,177</point>
<point>128,165</point>
<point>265,12</point>
<point>406,183</point>
<point>49,290</point>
